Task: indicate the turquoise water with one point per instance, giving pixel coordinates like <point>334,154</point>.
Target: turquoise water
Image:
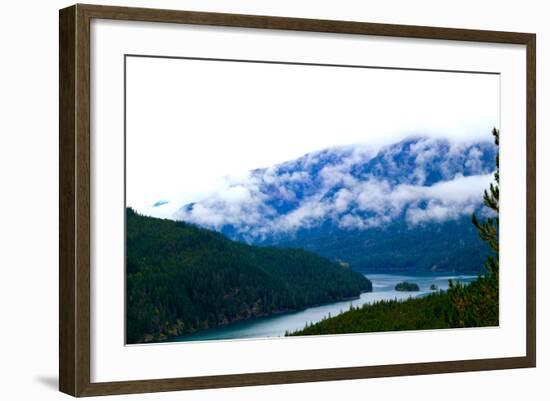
<point>275,326</point>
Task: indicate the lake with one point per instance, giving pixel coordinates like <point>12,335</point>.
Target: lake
<point>275,326</point>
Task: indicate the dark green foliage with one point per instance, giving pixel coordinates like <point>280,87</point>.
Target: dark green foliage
<point>181,278</point>
<point>488,229</point>
<point>437,310</point>
<point>478,306</point>
<point>429,312</point>
<point>451,246</point>
<point>406,286</point>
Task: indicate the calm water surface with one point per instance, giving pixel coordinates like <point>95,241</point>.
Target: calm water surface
<point>275,326</point>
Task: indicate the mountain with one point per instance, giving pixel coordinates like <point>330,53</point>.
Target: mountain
<point>450,246</point>
<point>181,278</point>
<point>406,207</point>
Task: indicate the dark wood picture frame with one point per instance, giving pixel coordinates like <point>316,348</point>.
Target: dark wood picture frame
<point>74,199</point>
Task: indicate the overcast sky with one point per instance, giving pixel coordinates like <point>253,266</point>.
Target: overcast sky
<point>191,123</point>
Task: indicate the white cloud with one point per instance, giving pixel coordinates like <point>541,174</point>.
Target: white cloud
<point>474,160</point>
<point>191,125</point>
<point>449,200</point>
<point>334,193</point>
<point>305,216</point>
<point>342,200</point>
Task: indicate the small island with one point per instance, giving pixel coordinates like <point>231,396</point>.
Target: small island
<point>433,287</point>
<point>406,286</point>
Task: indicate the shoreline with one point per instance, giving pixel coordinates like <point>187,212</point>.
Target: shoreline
<point>250,319</point>
<point>259,326</point>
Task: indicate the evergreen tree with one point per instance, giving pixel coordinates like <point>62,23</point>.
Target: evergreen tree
<point>477,304</point>
<point>488,229</point>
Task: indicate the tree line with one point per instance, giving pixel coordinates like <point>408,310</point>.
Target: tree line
<point>181,278</point>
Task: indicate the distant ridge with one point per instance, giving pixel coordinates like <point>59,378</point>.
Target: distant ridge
<point>405,208</point>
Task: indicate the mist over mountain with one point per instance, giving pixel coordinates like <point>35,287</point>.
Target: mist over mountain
<point>406,207</point>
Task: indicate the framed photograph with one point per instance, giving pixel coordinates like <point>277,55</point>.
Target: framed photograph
<point>250,200</point>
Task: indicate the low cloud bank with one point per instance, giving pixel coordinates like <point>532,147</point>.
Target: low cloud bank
<point>332,185</point>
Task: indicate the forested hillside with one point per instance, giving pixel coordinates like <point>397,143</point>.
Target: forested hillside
<point>404,209</point>
<point>181,278</point>
<point>450,246</point>
<point>428,312</point>
<point>434,311</point>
